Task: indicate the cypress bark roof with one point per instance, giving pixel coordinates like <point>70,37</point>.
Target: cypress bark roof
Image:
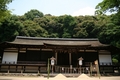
<point>57,41</point>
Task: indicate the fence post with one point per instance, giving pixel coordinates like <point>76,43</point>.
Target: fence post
<point>91,69</point>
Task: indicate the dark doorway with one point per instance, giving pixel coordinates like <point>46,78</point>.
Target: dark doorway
<point>74,59</point>
<point>35,55</point>
<point>87,57</point>
<point>63,59</point>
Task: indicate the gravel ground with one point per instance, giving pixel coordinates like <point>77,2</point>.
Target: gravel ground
<point>59,77</point>
<point>40,78</point>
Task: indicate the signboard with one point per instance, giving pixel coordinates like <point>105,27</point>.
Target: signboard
<point>80,62</point>
<point>52,62</point>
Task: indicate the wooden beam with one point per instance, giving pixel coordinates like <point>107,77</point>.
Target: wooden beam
<point>56,57</point>
<point>70,58</point>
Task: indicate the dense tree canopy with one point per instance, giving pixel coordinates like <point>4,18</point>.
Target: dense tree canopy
<point>9,29</point>
<point>111,33</point>
<point>3,9</point>
<point>33,14</point>
<point>35,23</point>
<point>108,5</point>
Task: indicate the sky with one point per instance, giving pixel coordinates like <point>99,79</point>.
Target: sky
<point>55,7</point>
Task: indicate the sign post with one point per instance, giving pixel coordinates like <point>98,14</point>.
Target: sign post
<point>52,62</point>
<point>97,67</point>
<point>90,68</point>
<point>48,69</point>
<point>80,63</point>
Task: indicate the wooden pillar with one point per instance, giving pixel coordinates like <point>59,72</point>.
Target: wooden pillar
<point>0,67</point>
<point>98,57</point>
<point>38,69</point>
<point>97,67</point>
<point>98,60</point>
<point>24,68</point>
<point>70,58</point>
<point>56,57</point>
<point>16,68</point>
<point>21,69</point>
<point>9,69</point>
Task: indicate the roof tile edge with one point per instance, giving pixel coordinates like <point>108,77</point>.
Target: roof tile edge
<point>61,39</point>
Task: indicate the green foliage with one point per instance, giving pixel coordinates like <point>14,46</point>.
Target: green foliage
<point>33,29</point>
<point>9,29</point>
<point>68,24</point>
<point>66,35</point>
<point>115,61</point>
<point>108,5</point>
<point>33,14</point>
<point>111,32</point>
<point>80,33</point>
<point>117,57</point>
<point>3,9</point>
<point>110,35</point>
<point>34,23</point>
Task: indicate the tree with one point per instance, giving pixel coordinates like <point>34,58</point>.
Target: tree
<point>3,9</point>
<point>110,35</point>
<point>111,32</point>
<point>48,23</point>
<point>89,26</point>
<point>108,5</point>
<point>68,25</point>
<point>32,14</point>
<point>80,32</point>
<point>9,29</point>
<point>33,29</point>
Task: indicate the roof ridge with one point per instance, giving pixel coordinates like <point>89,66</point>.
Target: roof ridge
<point>43,38</point>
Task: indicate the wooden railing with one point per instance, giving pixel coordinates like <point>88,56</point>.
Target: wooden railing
<point>105,63</point>
<point>24,62</point>
<point>31,62</point>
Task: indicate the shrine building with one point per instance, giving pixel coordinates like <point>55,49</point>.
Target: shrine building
<point>31,54</point>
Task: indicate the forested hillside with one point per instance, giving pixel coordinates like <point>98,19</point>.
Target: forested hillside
<point>36,24</point>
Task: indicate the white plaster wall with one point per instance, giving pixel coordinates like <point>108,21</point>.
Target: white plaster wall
<point>105,59</point>
<point>10,57</point>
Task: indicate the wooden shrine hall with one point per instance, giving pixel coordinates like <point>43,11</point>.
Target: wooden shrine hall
<point>30,54</point>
